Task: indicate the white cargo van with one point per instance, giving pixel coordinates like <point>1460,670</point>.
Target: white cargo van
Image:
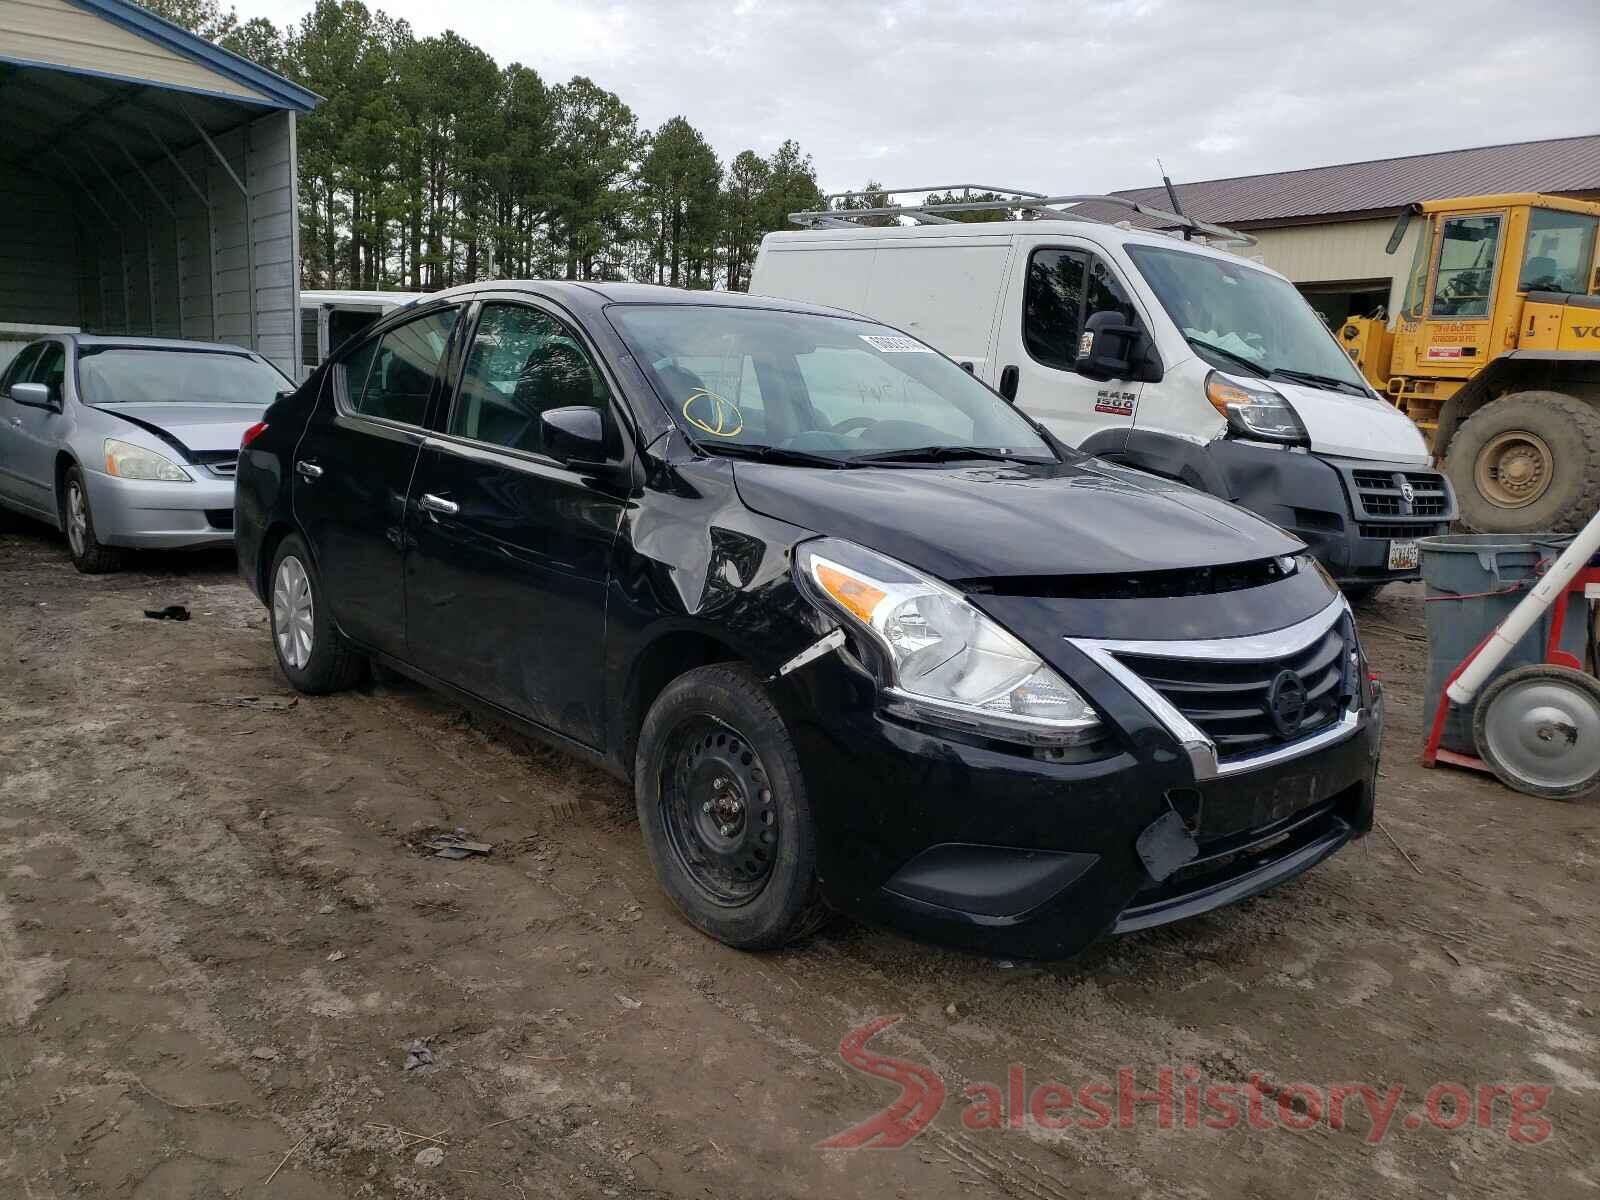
<point>1145,349</point>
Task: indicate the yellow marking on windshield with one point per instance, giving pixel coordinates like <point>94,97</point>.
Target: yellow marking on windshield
<point>713,414</point>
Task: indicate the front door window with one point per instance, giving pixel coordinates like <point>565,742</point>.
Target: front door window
<point>1465,279</point>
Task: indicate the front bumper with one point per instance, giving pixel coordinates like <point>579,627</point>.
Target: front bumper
<point>155,515</point>
<point>1008,855</point>
<point>1347,511</point>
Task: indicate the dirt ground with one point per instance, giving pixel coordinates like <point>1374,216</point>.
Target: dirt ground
<point>219,935</point>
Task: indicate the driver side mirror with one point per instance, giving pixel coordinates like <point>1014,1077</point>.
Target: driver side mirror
<point>575,435</point>
<point>35,395</point>
<point>1108,347</point>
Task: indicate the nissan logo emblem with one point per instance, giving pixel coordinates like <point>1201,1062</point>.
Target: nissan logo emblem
<point>1286,703</point>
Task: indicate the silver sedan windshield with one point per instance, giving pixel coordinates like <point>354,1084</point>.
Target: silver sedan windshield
<point>129,375</point>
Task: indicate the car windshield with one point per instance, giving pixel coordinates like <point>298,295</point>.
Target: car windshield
<point>782,384</point>
<point>132,375</point>
<point>1236,316</point>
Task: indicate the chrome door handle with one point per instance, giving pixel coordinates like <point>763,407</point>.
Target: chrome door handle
<point>309,469</point>
<point>438,504</point>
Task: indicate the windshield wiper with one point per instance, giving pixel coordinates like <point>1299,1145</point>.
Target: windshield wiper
<point>1315,380</point>
<point>1250,365</point>
<point>946,454</point>
<point>772,454</point>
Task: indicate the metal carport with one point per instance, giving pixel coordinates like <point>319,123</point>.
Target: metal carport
<point>147,181</point>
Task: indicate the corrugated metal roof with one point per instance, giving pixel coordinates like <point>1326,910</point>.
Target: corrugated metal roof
<point>118,42</point>
<point>1379,185</point>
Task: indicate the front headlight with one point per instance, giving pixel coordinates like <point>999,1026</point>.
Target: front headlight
<point>127,461</point>
<point>949,663</point>
<point>1257,412</point>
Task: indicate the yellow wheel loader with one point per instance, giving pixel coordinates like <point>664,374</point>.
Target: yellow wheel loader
<point>1496,354</point>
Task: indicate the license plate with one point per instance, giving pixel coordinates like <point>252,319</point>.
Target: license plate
<point>1404,556</point>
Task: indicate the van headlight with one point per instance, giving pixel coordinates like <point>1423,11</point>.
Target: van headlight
<point>127,461</point>
<point>949,664</point>
<point>1256,412</point>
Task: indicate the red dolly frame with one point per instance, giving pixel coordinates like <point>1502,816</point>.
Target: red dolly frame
<point>1432,752</point>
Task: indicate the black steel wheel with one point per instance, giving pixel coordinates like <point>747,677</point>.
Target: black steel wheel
<point>724,810</point>
<point>718,812</point>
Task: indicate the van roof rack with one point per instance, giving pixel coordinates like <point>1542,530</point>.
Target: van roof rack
<point>1035,203</point>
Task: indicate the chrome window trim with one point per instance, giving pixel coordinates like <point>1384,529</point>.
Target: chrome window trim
<point>1257,647</point>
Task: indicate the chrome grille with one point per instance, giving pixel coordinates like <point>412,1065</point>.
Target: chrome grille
<point>1228,699</point>
<point>226,469</point>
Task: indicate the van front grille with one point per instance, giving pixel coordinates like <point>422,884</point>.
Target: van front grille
<point>1384,493</point>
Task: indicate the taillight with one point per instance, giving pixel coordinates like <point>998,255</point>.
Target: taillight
<point>252,434</point>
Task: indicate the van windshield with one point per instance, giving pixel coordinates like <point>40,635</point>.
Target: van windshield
<point>1238,317</point>
<point>798,385</point>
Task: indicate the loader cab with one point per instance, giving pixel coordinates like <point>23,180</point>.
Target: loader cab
<point>1495,353</point>
<point>1477,261</point>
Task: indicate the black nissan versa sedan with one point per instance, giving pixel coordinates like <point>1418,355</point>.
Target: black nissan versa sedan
<point>862,635</point>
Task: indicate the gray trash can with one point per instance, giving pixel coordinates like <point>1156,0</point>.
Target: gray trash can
<point>1473,581</point>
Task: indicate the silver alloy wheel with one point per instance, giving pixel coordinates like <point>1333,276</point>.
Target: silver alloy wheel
<point>1544,732</point>
<point>77,519</point>
<point>292,615</point>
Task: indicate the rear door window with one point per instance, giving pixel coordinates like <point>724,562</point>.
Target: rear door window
<point>1560,249</point>
<point>392,378</point>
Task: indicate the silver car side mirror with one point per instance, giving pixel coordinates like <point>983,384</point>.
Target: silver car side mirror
<point>34,395</point>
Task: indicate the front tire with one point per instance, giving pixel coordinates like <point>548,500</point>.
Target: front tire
<point>724,811</point>
<point>313,655</point>
<point>89,554</point>
<point>1528,462</point>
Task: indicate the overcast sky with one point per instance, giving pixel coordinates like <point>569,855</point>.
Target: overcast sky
<point>1058,96</point>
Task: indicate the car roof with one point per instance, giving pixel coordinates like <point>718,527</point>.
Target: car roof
<point>593,296</point>
<point>151,343</point>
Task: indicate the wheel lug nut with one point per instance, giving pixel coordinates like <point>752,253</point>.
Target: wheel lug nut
<point>719,783</point>
<point>727,830</point>
<point>706,807</point>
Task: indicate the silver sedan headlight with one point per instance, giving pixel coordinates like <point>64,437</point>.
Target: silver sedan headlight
<point>950,664</point>
<point>127,461</point>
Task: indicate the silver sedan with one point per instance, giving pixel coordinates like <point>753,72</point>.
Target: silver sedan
<point>129,442</point>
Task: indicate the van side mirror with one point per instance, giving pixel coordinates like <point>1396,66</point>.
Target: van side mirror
<point>1108,346</point>
<point>575,435</point>
<point>34,395</point>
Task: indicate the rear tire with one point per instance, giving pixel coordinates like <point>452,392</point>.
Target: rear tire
<point>724,811</point>
<point>89,554</point>
<point>1528,462</point>
<point>312,654</point>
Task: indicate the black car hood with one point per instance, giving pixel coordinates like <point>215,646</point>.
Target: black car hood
<point>992,520</point>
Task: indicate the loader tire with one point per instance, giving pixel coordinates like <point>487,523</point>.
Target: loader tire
<point>1528,462</point>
